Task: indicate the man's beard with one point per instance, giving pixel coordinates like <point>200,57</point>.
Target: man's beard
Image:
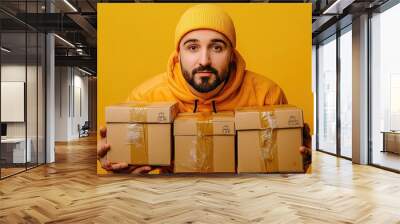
<point>207,84</point>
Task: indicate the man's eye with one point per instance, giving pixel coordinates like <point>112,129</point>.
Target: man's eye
<point>217,48</point>
<point>192,47</point>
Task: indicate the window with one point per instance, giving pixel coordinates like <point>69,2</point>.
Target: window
<point>327,95</point>
<point>385,88</point>
<point>346,93</point>
<point>22,74</point>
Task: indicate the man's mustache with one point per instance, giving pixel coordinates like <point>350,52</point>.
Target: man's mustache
<point>206,68</point>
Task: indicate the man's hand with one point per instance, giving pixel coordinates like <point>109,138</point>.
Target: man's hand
<point>103,147</point>
<point>305,149</point>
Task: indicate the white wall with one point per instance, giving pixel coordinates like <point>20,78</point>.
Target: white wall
<point>12,73</point>
<point>33,127</point>
<point>81,103</point>
<point>71,93</point>
<point>61,103</point>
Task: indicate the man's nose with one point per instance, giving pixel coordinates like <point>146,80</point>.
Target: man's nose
<point>205,58</point>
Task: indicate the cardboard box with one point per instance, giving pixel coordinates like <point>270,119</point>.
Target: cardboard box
<point>141,112</point>
<point>269,139</point>
<point>204,143</point>
<point>140,133</point>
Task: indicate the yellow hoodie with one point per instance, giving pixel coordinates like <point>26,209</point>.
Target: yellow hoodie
<point>243,88</point>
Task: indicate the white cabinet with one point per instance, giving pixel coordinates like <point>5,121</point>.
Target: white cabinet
<point>17,146</point>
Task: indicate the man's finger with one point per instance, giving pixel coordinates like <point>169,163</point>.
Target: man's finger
<point>103,132</point>
<point>307,135</point>
<point>303,149</point>
<point>103,137</point>
<point>307,156</point>
<point>105,164</point>
<point>101,142</point>
<point>103,150</point>
<point>119,166</point>
<point>141,169</point>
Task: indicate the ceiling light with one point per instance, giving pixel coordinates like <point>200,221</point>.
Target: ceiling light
<point>338,6</point>
<point>70,5</point>
<point>64,40</point>
<point>5,50</point>
<point>84,71</point>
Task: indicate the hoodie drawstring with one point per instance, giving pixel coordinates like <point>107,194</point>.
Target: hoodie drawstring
<point>196,101</point>
<point>214,106</point>
<point>195,105</point>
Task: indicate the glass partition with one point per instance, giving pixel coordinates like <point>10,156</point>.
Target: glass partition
<point>22,63</point>
<point>327,95</point>
<point>346,93</point>
<point>385,88</point>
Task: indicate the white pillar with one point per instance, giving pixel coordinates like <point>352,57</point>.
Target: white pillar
<point>50,98</point>
<point>360,90</point>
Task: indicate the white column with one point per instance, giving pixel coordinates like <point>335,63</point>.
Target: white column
<point>50,100</point>
<point>360,90</point>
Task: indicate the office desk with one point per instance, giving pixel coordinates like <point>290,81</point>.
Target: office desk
<point>391,141</point>
<point>13,150</point>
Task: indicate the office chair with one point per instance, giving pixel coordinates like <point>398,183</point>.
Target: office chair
<point>84,130</point>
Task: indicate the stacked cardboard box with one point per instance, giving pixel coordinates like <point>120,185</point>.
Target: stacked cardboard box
<point>269,139</point>
<point>140,133</point>
<point>204,143</point>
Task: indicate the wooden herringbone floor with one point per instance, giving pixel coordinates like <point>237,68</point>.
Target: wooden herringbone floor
<point>69,191</point>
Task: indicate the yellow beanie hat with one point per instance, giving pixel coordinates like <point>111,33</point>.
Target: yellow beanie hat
<point>205,16</point>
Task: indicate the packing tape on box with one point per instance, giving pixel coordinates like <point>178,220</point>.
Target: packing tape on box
<point>138,112</point>
<point>266,115</point>
<point>205,143</point>
<point>269,150</point>
<point>201,151</point>
<point>137,139</point>
<point>268,119</point>
<point>268,138</point>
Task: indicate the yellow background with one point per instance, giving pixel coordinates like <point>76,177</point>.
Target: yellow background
<point>135,41</point>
